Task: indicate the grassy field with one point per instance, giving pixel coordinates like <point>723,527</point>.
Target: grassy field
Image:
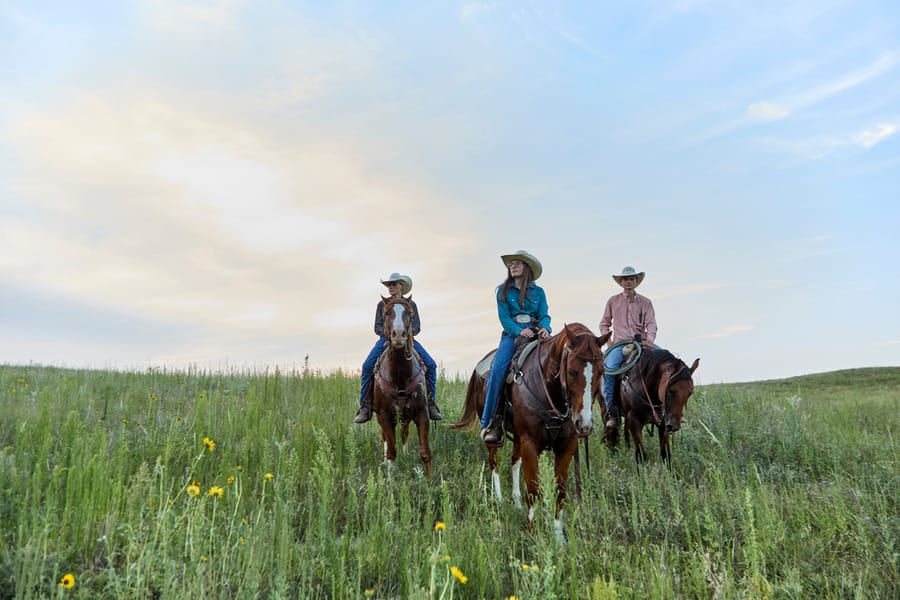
<point>256,485</point>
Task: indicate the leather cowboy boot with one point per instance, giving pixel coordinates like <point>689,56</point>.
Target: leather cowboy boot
<point>433,413</point>
<point>612,417</point>
<point>492,435</point>
<point>365,410</point>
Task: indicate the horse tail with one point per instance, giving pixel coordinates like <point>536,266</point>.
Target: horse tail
<point>473,404</point>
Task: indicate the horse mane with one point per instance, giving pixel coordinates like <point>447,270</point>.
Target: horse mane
<point>652,362</point>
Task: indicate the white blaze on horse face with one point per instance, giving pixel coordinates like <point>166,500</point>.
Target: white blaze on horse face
<point>398,331</point>
<point>587,416</point>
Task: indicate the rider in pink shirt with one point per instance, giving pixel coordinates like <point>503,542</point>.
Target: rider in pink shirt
<point>627,314</point>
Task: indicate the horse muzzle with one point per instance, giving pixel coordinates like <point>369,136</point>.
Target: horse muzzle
<point>584,428</point>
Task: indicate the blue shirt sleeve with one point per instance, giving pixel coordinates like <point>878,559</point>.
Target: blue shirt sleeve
<point>504,311</point>
<point>417,325</point>
<point>379,319</point>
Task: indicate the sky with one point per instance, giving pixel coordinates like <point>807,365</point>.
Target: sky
<point>223,184</point>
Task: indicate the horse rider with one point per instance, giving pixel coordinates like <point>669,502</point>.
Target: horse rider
<point>523,312</point>
<point>398,285</point>
<point>627,314</point>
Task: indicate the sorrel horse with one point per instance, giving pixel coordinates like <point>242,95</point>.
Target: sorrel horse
<point>399,390</point>
<point>550,403</point>
<point>654,391</point>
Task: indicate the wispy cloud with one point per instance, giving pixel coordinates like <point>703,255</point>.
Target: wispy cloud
<point>879,133</point>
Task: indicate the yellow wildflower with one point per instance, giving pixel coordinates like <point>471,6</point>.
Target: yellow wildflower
<point>203,558</point>
<point>440,526</point>
<point>454,570</point>
<point>193,489</point>
<point>270,476</point>
<point>216,491</point>
<point>230,480</point>
<point>210,445</point>
<point>369,592</point>
<point>67,581</point>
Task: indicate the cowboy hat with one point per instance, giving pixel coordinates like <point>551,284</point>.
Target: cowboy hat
<point>405,281</point>
<point>629,272</point>
<point>526,258</point>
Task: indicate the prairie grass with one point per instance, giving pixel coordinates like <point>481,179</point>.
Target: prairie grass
<point>192,484</point>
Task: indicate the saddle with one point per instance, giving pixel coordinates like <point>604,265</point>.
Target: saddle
<point>502,414</point>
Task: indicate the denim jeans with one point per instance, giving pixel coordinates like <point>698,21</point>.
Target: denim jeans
<point>502,358</point>
<point>612,361</point>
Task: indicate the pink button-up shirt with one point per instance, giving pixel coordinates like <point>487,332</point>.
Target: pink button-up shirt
<point>626,316</point>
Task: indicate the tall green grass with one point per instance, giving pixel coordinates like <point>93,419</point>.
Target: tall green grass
<point>779,489</point>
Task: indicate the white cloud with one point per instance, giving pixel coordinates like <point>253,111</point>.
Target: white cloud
<point>870,137</point>
<point>765,111</point>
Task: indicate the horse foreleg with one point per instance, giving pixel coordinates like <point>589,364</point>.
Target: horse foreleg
<point>389,437</point>
<point>495,475</point>
<point>561,468</point>
<point>422,428</point>
<point>532,484</point>
<point>637,436</point>
<point>516,468</point>
<point>665,452</point>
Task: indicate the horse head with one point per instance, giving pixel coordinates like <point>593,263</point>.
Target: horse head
<point>398,320</point>
<point>675,388</point>
<point>581,374</point>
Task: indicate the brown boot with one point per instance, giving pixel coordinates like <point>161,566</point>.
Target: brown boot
<point>612,417</point>
<point>433,413</point>
<point>364,414</point>
<point>492,435</point>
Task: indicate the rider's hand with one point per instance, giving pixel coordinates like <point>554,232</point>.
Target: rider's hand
<point>527,333</point>
<point>543,333</point>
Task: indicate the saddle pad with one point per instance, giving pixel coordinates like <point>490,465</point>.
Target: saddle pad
<point>484,365</point>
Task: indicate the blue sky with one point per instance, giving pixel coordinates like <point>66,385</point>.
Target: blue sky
<point>224,183</point>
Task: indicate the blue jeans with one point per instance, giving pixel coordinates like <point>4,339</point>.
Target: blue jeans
<point>613,360</point>
<point>504,355</point>
<point>368,369</point>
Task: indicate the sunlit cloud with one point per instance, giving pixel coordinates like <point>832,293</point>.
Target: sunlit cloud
<point>871,137</point>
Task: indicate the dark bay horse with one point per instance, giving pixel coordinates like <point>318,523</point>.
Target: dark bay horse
<point>399,387</point>
<point>550,404</point>
<point>654,391</point>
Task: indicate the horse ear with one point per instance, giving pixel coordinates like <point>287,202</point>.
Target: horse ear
<point>570,335</point>
<point>695,365</point>
<point>385,299</point>
<point>604,338</point>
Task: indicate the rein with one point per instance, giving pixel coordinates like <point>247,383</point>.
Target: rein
<point>555,416</point>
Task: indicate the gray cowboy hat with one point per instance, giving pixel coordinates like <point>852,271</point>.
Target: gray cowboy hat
<point>405,281</point>
<point>528,259</point>
<point>629,272</point>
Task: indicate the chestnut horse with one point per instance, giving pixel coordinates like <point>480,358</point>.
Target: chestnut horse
<point>399,387</point>
<point>654,391</point>
<point>550,403</point>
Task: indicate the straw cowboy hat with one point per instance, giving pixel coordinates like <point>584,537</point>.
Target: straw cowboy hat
<point>405,281</point>
<point>526,258</point>
<point>629,272</point>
